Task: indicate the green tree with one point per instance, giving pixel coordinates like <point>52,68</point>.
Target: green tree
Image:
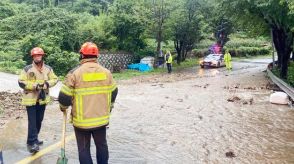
<point>186,28</point>
<point>6,10</point>
<point>276,15</point>
<point>129,24</point>
<point>53,29</point>
<point>159,12</point>
<point>97,29</point>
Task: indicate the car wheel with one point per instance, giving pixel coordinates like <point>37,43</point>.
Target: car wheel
<point>202,66</point>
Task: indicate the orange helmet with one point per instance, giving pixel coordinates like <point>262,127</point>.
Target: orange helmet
<point>37,51</point>
<point>89,49</point>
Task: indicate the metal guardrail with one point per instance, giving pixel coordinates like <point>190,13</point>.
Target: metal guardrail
<point>284,86</point>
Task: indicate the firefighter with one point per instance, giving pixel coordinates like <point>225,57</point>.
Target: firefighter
<point>168,59</point>
<point>228,60</point>
<point>91,91</point>
<point>35,80</point>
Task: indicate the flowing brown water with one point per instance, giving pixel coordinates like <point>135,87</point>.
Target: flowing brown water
<point>180,118</point>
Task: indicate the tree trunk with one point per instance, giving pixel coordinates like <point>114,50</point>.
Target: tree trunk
<point>178,48</point>
<point>49,3</point>
<point>159,40</point>
<point>56,2</point>
<point>283,40</point>
<point>159,34</point>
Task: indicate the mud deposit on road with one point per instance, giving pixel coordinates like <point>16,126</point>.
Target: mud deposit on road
<point>10,107</point>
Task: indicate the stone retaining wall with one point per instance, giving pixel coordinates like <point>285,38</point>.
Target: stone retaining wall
<point>114,61</point>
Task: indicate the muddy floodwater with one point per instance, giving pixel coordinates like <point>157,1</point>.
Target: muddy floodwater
<point>188,117</point>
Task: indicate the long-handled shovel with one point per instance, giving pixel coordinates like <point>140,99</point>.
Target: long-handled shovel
<point>1,157</point>
<point>62,159</point>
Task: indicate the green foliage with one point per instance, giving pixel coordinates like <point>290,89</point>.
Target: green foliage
<point>240,45</point>
<point>97,29</point>
<point>61,26</point>
<point>205,44</point>
<point>247,42</point>
<point>129,27</point>
<point>290,78</point>
<point>63,61</point>
<point>278,18</point>
<point>127,74</point>
<point>185,28</point>
<point>10,62</point>
<point>158,13</point>
<point>249,51</point>
<point>52,29</point>
<point>55,22</point>
<point>6,10</point>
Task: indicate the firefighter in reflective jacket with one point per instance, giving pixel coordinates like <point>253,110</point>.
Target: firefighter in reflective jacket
<point>228,60</point>
<point>35,80</point>
<point>91,91</point>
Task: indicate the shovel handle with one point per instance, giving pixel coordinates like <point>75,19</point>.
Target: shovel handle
<point>63,129</point>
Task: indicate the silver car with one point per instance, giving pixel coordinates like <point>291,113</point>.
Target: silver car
<point>212,60</point>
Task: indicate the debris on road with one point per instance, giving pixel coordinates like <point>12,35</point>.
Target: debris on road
<point>233,99</point>
<point>199,86</point>
<point>243,101</point>
<point>206,85</point>
<point>10,107</point>
<point>230,154</point>
<point>272,86</point>
<point>279,98</point>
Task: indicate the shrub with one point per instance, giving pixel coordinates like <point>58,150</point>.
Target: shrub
<point>290,77</point>
<point>238,46</point>
<point>63,61</point>
<point>11,62</point>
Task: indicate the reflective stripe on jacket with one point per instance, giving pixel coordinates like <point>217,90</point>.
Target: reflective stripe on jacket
<point>88,89</point>
<point>30,77</point>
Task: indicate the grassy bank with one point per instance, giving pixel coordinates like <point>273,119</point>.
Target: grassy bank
<point>127,74</point>
<point>252,57</point>
<point>290,78</point>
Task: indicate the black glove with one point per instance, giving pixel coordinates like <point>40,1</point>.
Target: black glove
<point>39,87</point>
<point>46,85</point>
<point>42,94</point>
